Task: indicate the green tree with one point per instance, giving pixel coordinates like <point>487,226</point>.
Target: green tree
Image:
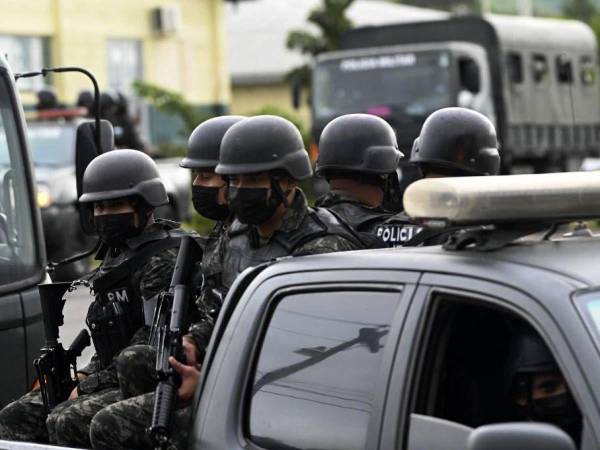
<point>583,10</point>
<point>331,21</point>
<point>173,104</point>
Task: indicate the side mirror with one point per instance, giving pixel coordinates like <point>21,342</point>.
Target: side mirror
<point>86,150</point>
<point>519,435</point>
<point>296,94</point>
<point>470,79</point>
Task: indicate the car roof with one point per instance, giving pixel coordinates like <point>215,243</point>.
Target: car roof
<point>574,261</point>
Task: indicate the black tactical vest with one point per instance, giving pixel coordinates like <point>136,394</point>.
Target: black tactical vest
<point>361,218</point>
<point>244,250</point>
<point>117,310</point>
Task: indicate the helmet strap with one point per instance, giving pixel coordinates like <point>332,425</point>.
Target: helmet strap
<point>276,190</point>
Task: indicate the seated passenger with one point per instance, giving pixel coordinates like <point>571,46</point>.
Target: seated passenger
<point>538,390</point>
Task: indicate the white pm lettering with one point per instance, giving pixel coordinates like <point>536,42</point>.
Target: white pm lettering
<point>119,296</point>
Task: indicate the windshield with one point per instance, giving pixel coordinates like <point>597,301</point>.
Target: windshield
<point>52,144</point>
<point>414,84</point>
<point>589,305</point>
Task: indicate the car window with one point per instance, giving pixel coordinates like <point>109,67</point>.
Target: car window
<point>17,250</point>
<point>483,365</point>
<point>318,369</point>
<point>589,305</point>
<point>52,145</point>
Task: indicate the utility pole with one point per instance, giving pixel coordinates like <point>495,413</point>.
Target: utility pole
<point>486,6</point>
<point>526,7</point>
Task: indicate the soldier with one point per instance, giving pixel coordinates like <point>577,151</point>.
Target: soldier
<point>263,158</point>
<point>358,155</point>
<point>538,391</point>
<point>120,191</point>
<point>454,142</point>
<point>135,365</point>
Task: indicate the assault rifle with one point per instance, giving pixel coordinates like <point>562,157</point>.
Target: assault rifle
<point>56,367</point>
<point>171,320</point>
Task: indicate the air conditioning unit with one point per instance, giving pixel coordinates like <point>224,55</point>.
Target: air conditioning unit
<point>166,19</point>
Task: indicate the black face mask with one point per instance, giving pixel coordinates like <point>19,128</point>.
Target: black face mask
<point>115,229</point>
<point>252,205</point>
<point>560,410</point>
<point>205,200</point>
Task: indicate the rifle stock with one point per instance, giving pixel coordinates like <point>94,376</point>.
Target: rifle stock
<point>169,334</point>
<point>56,367</point>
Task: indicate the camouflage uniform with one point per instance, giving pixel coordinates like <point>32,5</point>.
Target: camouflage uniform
<point>123,425</point>
<point>23,419</point>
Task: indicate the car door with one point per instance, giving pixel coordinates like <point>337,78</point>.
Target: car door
<point>21,252</point>
<point>304,362</point>
<point>453,366</point>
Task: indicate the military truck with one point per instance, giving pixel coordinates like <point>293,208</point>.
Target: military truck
<point>22,252</point>
<point>536,79</point>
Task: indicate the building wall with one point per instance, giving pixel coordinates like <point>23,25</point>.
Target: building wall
<point>248,99</point>
<point>192,61</point>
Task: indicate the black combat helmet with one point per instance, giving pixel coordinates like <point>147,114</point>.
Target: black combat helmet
<point>123,173</point>
<point>264,143</point>
<point>205,142</point>
<point>528,355</point>
<point>85,99</point>
<point>457,141</point>
<point>46,99</point>
<point>358,143</point>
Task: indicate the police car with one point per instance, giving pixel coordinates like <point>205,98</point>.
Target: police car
<point>491,341</point>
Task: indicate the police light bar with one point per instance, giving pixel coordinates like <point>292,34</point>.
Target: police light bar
<point>441,202</point>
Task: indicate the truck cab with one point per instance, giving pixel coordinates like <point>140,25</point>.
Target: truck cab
<point>541,94</point>
<point>22,253</point>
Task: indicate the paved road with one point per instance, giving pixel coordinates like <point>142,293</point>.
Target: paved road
<point>76,307</point>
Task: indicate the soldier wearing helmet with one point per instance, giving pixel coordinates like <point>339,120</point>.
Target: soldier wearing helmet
<point>454,142</point>
<point>262,158</point>
<point>108,428</point>
<point>121,189</point>
<point>358,155</point>
<point>537,389</point>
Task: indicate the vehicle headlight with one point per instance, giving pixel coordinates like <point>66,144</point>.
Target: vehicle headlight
<point>44,199</point>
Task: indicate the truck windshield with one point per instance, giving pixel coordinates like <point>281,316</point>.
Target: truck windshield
<point>17,241</point>
<point>52,144</point>
<point>413,84</point>
<point>589,305</point>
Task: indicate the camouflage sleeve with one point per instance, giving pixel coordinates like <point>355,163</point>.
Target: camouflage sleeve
<point>325,244</point>
<point>155,275</point>
<point>99,380</point>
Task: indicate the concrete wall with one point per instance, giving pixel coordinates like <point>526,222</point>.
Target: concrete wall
<point>192,61</point>
<point>247,99</point>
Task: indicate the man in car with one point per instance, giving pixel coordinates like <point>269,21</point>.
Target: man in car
<point>538,390</point>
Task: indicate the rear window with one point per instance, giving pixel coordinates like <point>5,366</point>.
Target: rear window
<point>318,370</point>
